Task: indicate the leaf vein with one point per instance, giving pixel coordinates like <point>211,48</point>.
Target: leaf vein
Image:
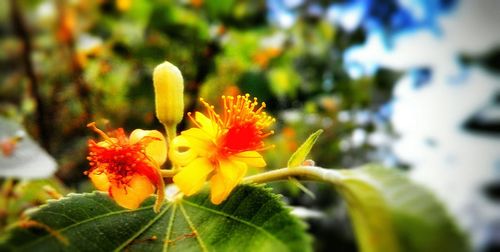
<point>166,242</point>
<point>60,214</point>
<point>198,236</point>
<point>151,222</point>
<point>85,221</point>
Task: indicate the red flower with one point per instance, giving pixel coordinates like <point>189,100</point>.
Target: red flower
<point>127,168</point>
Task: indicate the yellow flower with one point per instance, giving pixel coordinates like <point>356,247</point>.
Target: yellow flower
<point>221,146</point>
<point>127,168</point>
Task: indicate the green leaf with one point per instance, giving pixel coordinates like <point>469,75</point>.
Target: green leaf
<point>301,153</point>
<point>301,187</point>
<point>252,219</point>
<point>390,213</point>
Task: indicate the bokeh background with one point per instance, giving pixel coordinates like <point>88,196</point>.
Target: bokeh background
<point>411,84</point>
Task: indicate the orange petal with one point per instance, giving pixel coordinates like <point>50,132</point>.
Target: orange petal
<point>155,149</point>
<point>100,180</point>
<point>132,195</point>
<point>192,177</point>
<point>225,180</point>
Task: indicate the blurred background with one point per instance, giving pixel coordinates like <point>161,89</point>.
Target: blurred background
<point>412,84</point>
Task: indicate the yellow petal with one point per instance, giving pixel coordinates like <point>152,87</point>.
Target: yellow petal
<point>181,153</point>
<point>207,125</point>
<point>100,180</point>
<point>156,149</point>
<point>192,177</point>
<point>227,177</point>
<point>217,189</point>
<point>199,140</point>
<point>251,158</point>
<point>132,195</point>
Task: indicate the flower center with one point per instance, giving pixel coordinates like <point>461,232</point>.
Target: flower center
<point>119,161</point>
<point>241,137</point>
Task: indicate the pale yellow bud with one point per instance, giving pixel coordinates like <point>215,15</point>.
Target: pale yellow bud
<point>169,94</point>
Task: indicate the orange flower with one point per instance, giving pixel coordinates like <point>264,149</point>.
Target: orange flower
<point>264,56</point>
<point>221,147</point>
<point>67,24</point>
<point>127,168</point>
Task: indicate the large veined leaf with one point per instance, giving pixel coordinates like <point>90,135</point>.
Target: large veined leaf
<point>252,219</point>
<point>390,213</point>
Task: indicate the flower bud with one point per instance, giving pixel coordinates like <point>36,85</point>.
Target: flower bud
<point>169,94</point>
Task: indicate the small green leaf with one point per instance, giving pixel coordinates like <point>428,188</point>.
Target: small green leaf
<point>304,189</point>
<point>301,153</point>
<point>251,219</point>
<point>390,213</point>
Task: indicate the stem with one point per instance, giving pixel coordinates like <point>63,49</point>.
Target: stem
<point>300,173</point>
<point>171,131</point>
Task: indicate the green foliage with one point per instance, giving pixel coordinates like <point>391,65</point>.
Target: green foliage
<point>252,219</point>
<point>219,8</point>
<point>390,213</point>
<point>284,81</point>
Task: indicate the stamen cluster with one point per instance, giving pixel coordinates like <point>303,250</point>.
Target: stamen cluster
<point>241,127</point>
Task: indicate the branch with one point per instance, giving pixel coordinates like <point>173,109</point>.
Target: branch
<point>22,33</point>
<point>300,173</point>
